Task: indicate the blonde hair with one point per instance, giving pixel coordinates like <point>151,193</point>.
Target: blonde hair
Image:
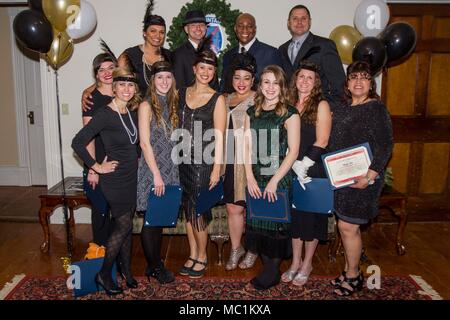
<point>124,72</point>
<point>281,107</point>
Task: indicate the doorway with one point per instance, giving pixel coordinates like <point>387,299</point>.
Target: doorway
<point>29,111</point>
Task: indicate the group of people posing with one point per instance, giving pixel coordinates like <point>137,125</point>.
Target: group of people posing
<point>299,93</point>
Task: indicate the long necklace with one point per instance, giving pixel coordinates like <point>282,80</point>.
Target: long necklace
<point>131,135</point>
<point>147,66</point>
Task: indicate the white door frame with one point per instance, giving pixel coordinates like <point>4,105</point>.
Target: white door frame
<point>24,169</point>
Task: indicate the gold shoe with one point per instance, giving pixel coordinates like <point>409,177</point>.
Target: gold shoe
<point>235,256</point>
<point>248,261</point>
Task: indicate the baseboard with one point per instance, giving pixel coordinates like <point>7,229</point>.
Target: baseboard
<point>14,176</point>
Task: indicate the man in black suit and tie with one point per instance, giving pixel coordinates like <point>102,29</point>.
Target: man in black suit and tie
<point>322,51</point>
<point>245,29</point>
<point>194,25</point>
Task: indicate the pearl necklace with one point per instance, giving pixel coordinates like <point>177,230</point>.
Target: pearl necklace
<point>131,135</point>
<point>145,66</point>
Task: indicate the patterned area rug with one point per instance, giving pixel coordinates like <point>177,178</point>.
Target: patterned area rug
<point>212,288</point>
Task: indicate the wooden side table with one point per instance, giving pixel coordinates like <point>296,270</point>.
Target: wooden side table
<point>395,202</point>
<point>75,198</point>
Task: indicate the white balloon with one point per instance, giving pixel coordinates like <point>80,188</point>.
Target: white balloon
<point>371,17</point>
<point>85,21</point>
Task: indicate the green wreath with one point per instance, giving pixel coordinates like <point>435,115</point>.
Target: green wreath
<point>227,17</point>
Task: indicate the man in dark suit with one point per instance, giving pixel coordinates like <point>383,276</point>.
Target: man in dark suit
<point>245,29</point>
<point>322,51</point>
<point>194,25</point>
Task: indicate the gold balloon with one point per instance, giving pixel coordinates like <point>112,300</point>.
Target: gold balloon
<point>61,50</point>
<point>61,13</point>
<point>345,38</point>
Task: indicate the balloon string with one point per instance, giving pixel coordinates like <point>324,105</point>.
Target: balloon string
<point>65,211</point>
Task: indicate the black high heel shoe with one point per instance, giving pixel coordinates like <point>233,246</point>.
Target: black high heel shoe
<point>356,284</point>
<point>338,280</point>
<point>129,281</point>
<point>160,273</point>
<point>110,289</point>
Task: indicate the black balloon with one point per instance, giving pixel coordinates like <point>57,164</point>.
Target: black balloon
<point>371,50</point>
<point>36,5</point>
<point>33,30</point>
<point>400,40</point>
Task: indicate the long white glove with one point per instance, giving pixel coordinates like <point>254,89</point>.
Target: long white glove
<point>300,168</point>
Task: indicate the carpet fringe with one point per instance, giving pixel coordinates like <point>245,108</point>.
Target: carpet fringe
<point>9,286</point>
<point>426,288</point>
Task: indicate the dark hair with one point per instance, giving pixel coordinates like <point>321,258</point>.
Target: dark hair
<point>206,56</point>
<point>99,59</point>
<point>299,6</point>
<point>241,61</point>
<point>309,112</point>
<point>153,20</point>
<point>361,67</point>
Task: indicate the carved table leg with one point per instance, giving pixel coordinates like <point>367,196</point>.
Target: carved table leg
<point>403,216</point>
<point>334,247</point>
<point>44,213</point>
<point>219,240</point>
<point>71,228</point>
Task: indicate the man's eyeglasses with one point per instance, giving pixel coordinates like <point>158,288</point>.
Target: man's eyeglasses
<point>360,76</point>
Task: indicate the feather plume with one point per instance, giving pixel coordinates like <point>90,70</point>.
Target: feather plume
<point>128,63</point>
<point>205,44</point>
<point>107,50</point>
<point>149,9</point>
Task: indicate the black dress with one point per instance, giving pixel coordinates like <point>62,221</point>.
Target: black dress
<point>195,173</point>
<point>119,187</point>
<point>309,225</point>
<point>369,122</point>
<point>101,223</point>
<point>143,73</point>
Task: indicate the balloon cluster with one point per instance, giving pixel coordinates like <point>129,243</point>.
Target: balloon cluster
<point>50,26</point>
<point>372,39</point>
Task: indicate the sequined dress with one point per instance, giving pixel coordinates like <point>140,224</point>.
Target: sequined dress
<point>267,237</point>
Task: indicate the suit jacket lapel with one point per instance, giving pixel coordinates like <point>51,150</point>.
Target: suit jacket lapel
<point>254,47</point>
<point>284,51</point>
<point>304,49</point>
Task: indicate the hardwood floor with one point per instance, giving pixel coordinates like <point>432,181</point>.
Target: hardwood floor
<point>427,255</point>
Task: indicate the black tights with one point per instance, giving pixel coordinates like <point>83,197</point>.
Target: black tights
<point>151,243</point>
<point>118,247</point>
<point>270,272</point>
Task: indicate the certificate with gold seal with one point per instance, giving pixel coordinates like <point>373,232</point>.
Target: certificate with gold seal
<point>344,166</point>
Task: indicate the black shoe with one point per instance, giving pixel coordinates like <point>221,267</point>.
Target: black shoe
<point>160,273</point>
<point>258,285</point>
<point>196,274</point>
<point>353,285</point>
<point>130,281</point>
<point>110,288</point>
<point>185,271</point>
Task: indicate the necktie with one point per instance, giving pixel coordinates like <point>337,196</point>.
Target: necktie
<point>243,50</point>
<point>294,48</point>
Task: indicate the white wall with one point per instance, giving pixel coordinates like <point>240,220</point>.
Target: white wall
<point>120,24</point>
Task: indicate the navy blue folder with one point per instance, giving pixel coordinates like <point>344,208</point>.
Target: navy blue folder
<point>95,196</point>
<point>318,196</point>
<point>324,156</point>
<point>163,211</point>
<point>83,276</point>
<point>206,199</point>
<point>262,209</point>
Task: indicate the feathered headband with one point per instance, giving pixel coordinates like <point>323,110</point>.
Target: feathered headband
<point>152,19</point>
<point>203,48</point>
